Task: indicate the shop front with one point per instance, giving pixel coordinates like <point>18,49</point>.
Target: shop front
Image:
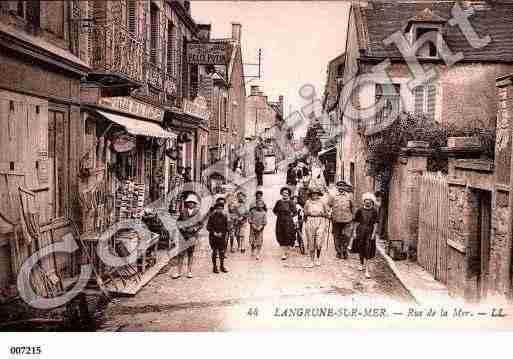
<point>190,123</point>
<point>123,171</point>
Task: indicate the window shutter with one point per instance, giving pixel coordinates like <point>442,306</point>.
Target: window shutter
<point>97,11</point>
<point>33,13</point>
<point>431,101</point>
<point>154,19</point>
<point>185,70</point>
<point>132,16</point>
<point>170,48</point>
<point>419,100</point>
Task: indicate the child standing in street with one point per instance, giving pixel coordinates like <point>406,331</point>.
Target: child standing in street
<point>217,228</point>
<point>257,221</point>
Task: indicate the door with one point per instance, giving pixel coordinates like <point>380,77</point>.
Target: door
<point>58,152</point>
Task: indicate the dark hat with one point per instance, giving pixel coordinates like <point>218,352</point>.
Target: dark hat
<point>219,205</point>
<point>259,192</point>
<point>220,199</point>
<point>283,189</point>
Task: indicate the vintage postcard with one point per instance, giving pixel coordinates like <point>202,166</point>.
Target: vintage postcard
<point>178,166</point>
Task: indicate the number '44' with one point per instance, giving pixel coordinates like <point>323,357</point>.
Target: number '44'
<point>253,312</point>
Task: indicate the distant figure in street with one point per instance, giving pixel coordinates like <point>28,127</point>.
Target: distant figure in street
<point>257,220</point>
<point>217,228</point>
<point>259,196</point>
<point>189,228</point>
<point>285,210</point>
<point>239,213</point>
<point>259,172</point>
<point>364,231</point>
<point>292,177</point>
<point>316,225</point>
<point>298,222</point>
<point>303,191</point>
<point>237,166</point>
<point>187,176</point>
<point>341,216</point>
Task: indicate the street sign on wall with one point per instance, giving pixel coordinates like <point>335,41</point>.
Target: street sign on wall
<point>207,53</point>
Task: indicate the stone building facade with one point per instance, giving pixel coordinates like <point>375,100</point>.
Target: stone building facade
<point>42,61</point>
<point>477,262</point>
<point>263,118</point>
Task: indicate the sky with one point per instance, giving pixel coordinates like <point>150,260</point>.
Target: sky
<point>297,38</point>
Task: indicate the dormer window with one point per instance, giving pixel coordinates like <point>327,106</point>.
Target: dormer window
<point>421,24</point>
<point>428,49</point>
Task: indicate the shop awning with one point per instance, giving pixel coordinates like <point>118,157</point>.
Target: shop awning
<point>138,127</point>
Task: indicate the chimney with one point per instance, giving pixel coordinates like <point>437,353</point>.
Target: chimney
<point>255,89</point>
<point>236,31</point>
<point>280,101</point>
<point>204,31</point>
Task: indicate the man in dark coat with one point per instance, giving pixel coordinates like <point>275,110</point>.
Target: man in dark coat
<point>217,227</point>
<point>259,172</point>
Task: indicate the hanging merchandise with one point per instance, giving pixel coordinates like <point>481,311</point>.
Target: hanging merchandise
<point>130,200</point>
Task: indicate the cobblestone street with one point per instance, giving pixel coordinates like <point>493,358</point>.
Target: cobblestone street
<point>254,293</point>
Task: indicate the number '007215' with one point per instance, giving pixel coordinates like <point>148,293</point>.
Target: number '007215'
<point>25,350</point>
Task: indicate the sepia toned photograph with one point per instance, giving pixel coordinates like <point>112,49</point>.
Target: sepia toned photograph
<point>226,166</point>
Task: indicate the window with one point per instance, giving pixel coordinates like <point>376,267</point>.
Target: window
<point>340,70</point>
<point>429,48</point>
<point>185,69</point>
<point>225,112</point>
<point>29,10</point>
<point>53,21</point>
<point>20,8</point>
<point>425,100</point>
<point>131,16</point>
<point>390,94</point>
<point>170,47</point>
<point>194,84</point>
<point>154,38</point>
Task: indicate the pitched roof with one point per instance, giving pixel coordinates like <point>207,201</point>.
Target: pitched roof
<point>331,87</point>
<point>427,15</point>
<point>383,18</point>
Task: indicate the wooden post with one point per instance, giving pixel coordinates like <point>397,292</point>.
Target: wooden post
<point>509,246</point>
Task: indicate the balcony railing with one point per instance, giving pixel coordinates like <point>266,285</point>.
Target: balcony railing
<point>154,75</point>
<point>116,50</point>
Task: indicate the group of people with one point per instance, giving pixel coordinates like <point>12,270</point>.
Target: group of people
<point>230,222</point>
<point>306,213</point>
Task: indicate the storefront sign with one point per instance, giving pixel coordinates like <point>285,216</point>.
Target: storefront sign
<point>123,143</point>
<point>207,53</point>
<point>133,107</point>
<point>197,108</point>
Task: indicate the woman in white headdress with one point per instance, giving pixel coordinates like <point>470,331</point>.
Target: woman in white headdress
<point>365,226</point>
